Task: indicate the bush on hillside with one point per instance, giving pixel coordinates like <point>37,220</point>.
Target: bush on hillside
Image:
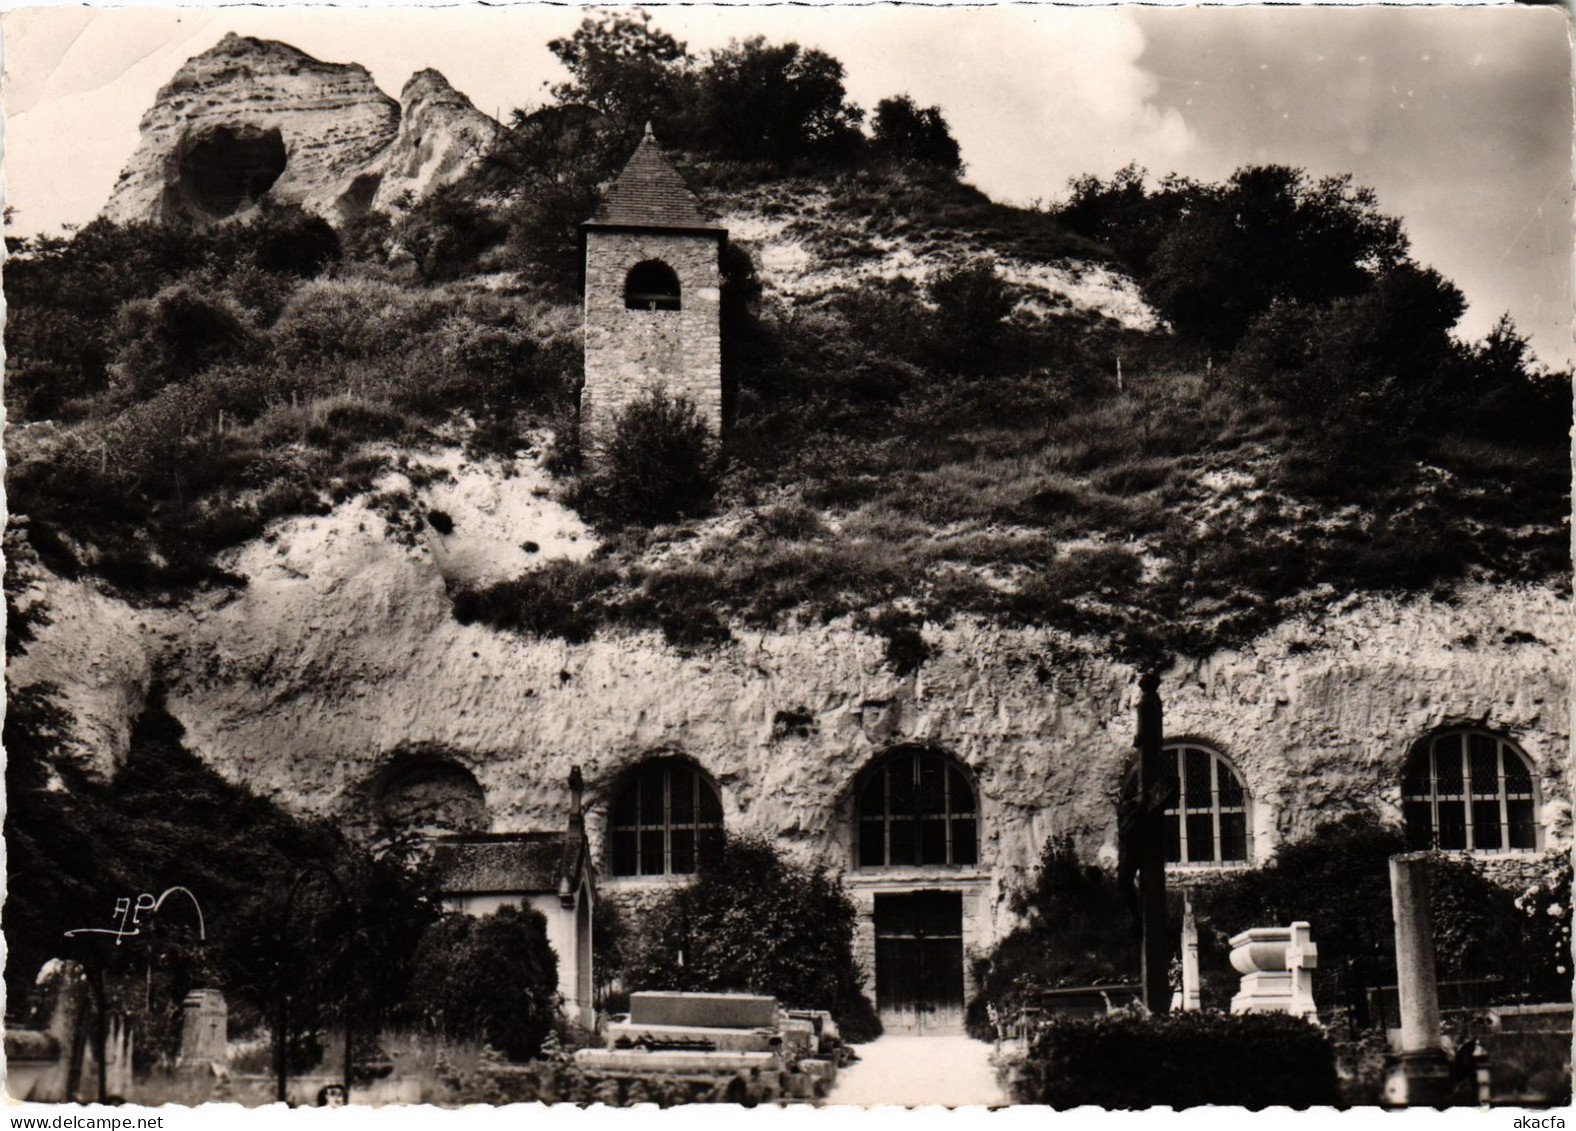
<point>658,463</point>
<point>905,132</point>
<point>563,598</point>
<point>972,302</point>
<point>493,978</point>
<point>447,232</point>
<point>752,922</point>
<point>1179,1060</point>
<point>1373,362</point>
<point>173,336</point>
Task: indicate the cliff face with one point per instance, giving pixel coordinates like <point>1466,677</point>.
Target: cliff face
<point>254,118</point>
<point>341,655</point>
<point>441,137</point>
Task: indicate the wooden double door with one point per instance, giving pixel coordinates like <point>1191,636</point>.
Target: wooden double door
<point>919,961</point>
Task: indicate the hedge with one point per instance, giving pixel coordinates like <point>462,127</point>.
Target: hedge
<point>1178,1060</point>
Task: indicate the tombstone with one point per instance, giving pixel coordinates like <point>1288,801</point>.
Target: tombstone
<point>204,1034</point>
<point>44,1060</point>
<point>119,1045</point>
<point>1276,964</point>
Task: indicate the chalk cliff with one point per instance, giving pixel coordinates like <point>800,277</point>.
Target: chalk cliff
<point>341,654</point>
<point>441,137</point>
<point>254,119</point>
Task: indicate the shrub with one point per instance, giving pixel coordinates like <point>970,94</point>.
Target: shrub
<point>906,650</point>
<point>1337,878</point>
<point>172,336</point>
<point>447,233</point>
<point>493,978</point>
<point>753,922</point>
<point>659,463</point>
<point>563,598</point>
<point>971,304</point>
<point>332,319</point>
<point>1077,931</point>
<point>1178,1060</point>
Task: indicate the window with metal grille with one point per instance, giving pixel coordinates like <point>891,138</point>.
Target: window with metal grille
<point>917,807</point>
<point>651,285</point>
<point>666,816</point>
<point>1208,821</point>
<point>1469,790</point>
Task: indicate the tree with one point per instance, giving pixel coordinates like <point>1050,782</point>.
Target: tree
<point>755,923</point>
<point>775,102</point>
<point>1337,878</point>
<point>904,132</point>
<point>624,68</point>
<point>1373,360</point>
<point>1268,234</point>
<point>1076,931</point>
<point>1498,388</point>
<point>493,978</point>
<point>550,165</point>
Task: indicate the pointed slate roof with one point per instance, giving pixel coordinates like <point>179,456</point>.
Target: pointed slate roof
<point>649,193</point>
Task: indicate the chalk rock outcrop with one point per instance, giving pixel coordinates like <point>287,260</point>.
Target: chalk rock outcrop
<point>441,137</point>
<point>249,118</point>
<point>255,118</point>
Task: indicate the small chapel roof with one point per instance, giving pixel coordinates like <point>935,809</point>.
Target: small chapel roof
<point>524,862</point>
<point>649,193</point>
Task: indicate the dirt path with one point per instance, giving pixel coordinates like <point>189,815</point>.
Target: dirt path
<point>952,1071</point>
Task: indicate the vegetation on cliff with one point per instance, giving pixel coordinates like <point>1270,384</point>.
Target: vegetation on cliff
<point>904,447</point>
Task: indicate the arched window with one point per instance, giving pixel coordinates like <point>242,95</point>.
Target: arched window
<point>916,807</point>
<point>651,285</point>
<point>1468,789</point>
<point>1207,821</point>
<point>666,815</point>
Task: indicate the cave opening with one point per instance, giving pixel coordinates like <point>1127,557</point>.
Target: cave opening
<point>228,168</point>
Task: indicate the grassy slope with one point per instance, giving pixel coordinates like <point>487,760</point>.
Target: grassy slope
<point>882,466</point>
<point>1168,512</point>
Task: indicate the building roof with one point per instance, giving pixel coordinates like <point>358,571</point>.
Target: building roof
<point>649,193</point>
<point>512,863</point>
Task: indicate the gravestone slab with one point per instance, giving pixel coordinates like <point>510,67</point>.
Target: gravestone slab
<point>711,1011</point>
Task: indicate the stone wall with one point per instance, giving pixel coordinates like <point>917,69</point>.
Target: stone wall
<point>630,351</point>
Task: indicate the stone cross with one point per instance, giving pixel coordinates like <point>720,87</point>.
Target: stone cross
<point>1302,957</point>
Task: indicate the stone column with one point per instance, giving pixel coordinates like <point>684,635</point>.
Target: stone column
<point>1421,1074</point>
<point>1191,1001</point>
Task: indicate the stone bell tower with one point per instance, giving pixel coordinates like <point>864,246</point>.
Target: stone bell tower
<point>652,290</point>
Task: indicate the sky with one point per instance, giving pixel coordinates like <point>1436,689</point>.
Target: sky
<point>1459,118</point>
